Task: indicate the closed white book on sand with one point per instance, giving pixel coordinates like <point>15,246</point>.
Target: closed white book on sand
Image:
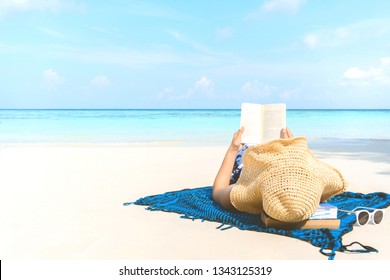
<point>262,123</point>
<point>325,211</point>
<point>306,224</point>
<point>324,217</point>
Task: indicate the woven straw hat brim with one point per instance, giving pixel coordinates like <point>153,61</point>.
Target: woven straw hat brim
<point>284,179</point>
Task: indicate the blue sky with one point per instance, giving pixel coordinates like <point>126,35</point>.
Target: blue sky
<point>194,54</point>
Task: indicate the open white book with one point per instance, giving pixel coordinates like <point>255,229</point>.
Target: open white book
<point>262,123</point>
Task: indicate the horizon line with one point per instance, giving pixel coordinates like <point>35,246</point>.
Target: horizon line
<point>112,109</point>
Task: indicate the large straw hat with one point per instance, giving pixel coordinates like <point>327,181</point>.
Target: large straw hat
<point>284,179</point>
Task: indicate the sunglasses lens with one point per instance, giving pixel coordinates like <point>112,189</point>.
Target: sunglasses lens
<point>378,216</point>
<point>363,217</point>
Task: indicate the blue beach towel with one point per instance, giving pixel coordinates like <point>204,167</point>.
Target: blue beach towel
<point>198,204</point>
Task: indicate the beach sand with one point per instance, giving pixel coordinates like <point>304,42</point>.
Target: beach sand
<point>65,201</point>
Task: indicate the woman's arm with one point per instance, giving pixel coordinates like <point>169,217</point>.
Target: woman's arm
<point>222,187</point>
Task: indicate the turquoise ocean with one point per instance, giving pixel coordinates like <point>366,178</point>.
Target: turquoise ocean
<point>187,127</point>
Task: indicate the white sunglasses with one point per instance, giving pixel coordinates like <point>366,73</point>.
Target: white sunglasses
<point>363,216</point>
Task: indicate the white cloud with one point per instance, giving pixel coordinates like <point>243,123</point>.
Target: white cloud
<point>204,83</point>
<point>51,79</point>
<point>285,95</point>
<point>100,81</point>
<point>311,41</point>
<point>342,32</point>
<point>290,94</point>
<point>374,74</point>
<point>271,6</point>
<point>168,89</point>
<point>52,33</point>
<point>8,7</point>
<point>255,89</point>
<point>224,33</point>
<point>328,38</point>
<point>385,61</point>
<point>170,94</point>
<point>283,5</point>
<point>118,55</point>
<point>192,43</point>
<point>157,10</point>
<point>203,86</point>
<point>166,92</point>
<point>356,73</point>
<point>352,33</point>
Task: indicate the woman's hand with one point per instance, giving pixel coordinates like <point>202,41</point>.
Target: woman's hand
<point>236,141</point>
<point>285,133</point>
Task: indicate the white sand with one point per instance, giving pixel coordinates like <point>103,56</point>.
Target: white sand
<point>65,202</point>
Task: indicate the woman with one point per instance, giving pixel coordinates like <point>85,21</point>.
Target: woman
<point>283,178</point>
<point>222,183</point>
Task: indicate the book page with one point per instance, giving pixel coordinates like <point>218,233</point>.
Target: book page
<point>251,121</point>
<point>274,119</point>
